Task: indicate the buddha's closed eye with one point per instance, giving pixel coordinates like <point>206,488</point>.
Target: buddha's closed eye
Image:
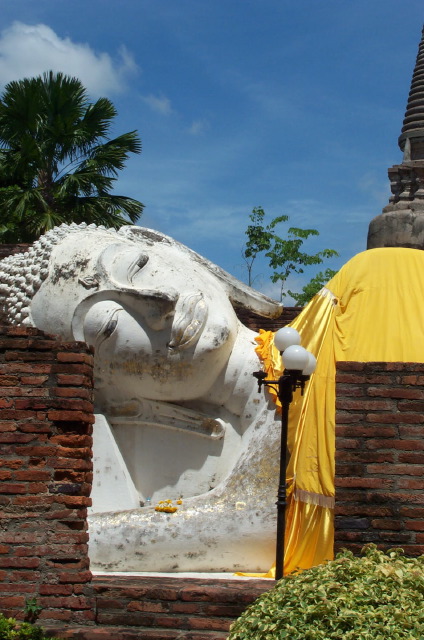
<point>136,266</point>
<point>111,324</point>
<point>108,328</point>
<point>101,322</point>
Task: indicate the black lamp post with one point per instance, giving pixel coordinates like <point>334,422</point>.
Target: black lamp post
<point>299,364</point>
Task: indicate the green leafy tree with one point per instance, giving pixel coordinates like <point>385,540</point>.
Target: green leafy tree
<point>58,162</point>
<point>313,286</point>
<point>285,255</point>
<point>259,238</point>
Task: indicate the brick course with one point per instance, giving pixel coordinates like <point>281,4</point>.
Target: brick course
<point>46,475</point>
<point>255,322</point>
<point>379,455</point>
<point>166,607</point>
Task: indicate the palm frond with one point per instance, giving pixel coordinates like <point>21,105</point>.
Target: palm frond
<point>55,153</point>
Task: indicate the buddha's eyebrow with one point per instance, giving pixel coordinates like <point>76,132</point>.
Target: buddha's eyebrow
<point>136,265</point>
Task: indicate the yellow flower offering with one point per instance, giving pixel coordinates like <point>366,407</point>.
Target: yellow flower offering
<point>166,506</point>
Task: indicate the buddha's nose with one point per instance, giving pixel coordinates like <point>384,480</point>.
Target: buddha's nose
<point>158,307</point>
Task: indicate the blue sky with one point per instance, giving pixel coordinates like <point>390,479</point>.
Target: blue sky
<point>292,106</point>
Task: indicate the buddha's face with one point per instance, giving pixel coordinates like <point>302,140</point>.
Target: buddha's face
<point>161,324</point>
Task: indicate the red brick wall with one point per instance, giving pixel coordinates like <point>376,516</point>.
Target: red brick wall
<point>46,417</point>
<point>12,249</point>
<point>380,455</point>
<point>255,322</point>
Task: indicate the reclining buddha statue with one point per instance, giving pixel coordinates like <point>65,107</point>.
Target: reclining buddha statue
<point>185,450</point>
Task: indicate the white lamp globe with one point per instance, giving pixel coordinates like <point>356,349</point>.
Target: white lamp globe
<point>295,358</point>
<point>286,337</point>
<point>311,366</point>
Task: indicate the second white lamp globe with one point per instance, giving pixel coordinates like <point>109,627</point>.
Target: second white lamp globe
<point>295,358</point>
<point>286,337</point>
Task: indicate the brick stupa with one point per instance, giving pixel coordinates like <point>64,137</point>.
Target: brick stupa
<point>401,223</point>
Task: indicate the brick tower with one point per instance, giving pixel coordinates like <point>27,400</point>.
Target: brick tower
<point>401,223</point>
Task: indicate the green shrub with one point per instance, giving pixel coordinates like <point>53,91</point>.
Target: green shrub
<point>377,596</point>
<point>11,629</point>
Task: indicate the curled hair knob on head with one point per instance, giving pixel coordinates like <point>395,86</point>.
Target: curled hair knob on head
<point>21,275</point>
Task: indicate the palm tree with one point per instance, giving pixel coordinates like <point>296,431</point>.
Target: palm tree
<point>57,162</point>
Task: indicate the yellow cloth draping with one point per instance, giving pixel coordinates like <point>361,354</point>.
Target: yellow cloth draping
<point>371,311</point>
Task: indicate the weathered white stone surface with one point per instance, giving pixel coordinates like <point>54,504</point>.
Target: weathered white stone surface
<point>113,488</point>
<point>179,412</point>
<point>400,225</point>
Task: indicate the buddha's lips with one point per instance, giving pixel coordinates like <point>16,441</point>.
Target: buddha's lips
<point>190,317</point>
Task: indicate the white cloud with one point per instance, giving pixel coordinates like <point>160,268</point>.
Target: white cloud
<point>198,126</point>
<point>161,105</point>
<point>29,50</point>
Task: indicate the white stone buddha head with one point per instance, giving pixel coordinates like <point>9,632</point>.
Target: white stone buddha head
<point>157,313</point>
